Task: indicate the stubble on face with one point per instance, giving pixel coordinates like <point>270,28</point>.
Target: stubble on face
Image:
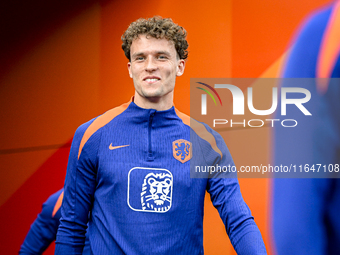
<point>154,66</point>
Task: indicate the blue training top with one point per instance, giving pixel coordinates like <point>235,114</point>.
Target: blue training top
<point>44,229</point>
<point>305,210</point>
<point>131,168</point>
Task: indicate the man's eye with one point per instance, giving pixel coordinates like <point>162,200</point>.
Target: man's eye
<point>140,58</point>
<point>162,57</point>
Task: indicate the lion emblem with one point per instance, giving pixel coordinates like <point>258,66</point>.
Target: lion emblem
<point>156,192</point>
<point>181,150</point>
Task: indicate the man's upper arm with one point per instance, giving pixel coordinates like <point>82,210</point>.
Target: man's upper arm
<point>44,229</point>
<point>226,196</point>
<point>78,195</point>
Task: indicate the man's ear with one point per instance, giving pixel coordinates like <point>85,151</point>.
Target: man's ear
<point>129,68</point>
<point>180,67</point>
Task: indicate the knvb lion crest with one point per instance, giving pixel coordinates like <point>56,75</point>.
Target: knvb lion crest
<point>182,150</point>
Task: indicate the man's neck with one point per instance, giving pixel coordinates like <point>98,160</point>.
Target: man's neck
<point>159,104</point>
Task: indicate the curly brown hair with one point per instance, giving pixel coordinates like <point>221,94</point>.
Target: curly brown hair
<point>159,28</point>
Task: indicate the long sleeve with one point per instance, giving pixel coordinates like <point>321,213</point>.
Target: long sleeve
<point>226,197</point>
<point>78,195</point>
<point>130,159</point>
<point>304,209</point>
<point>43,230</point>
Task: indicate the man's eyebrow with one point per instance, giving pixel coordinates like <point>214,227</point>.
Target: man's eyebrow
<point>163,52</point>
<point>136,54</point>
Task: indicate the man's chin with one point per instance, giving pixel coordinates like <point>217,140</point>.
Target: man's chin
<point>152,95</point>
<point>153,98</point>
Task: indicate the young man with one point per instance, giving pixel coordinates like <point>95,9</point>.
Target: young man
<point>131,165</point>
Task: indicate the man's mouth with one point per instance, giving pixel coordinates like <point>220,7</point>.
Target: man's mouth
<point>151,79</point>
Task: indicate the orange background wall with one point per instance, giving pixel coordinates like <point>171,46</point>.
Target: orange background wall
<point>61,64</point>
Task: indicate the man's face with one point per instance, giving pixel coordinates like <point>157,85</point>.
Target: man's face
<point>154,66</point>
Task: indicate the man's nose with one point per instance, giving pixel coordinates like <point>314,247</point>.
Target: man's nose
<point>150,65</point>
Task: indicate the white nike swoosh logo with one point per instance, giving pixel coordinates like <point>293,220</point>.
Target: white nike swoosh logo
<point>117,147</point>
